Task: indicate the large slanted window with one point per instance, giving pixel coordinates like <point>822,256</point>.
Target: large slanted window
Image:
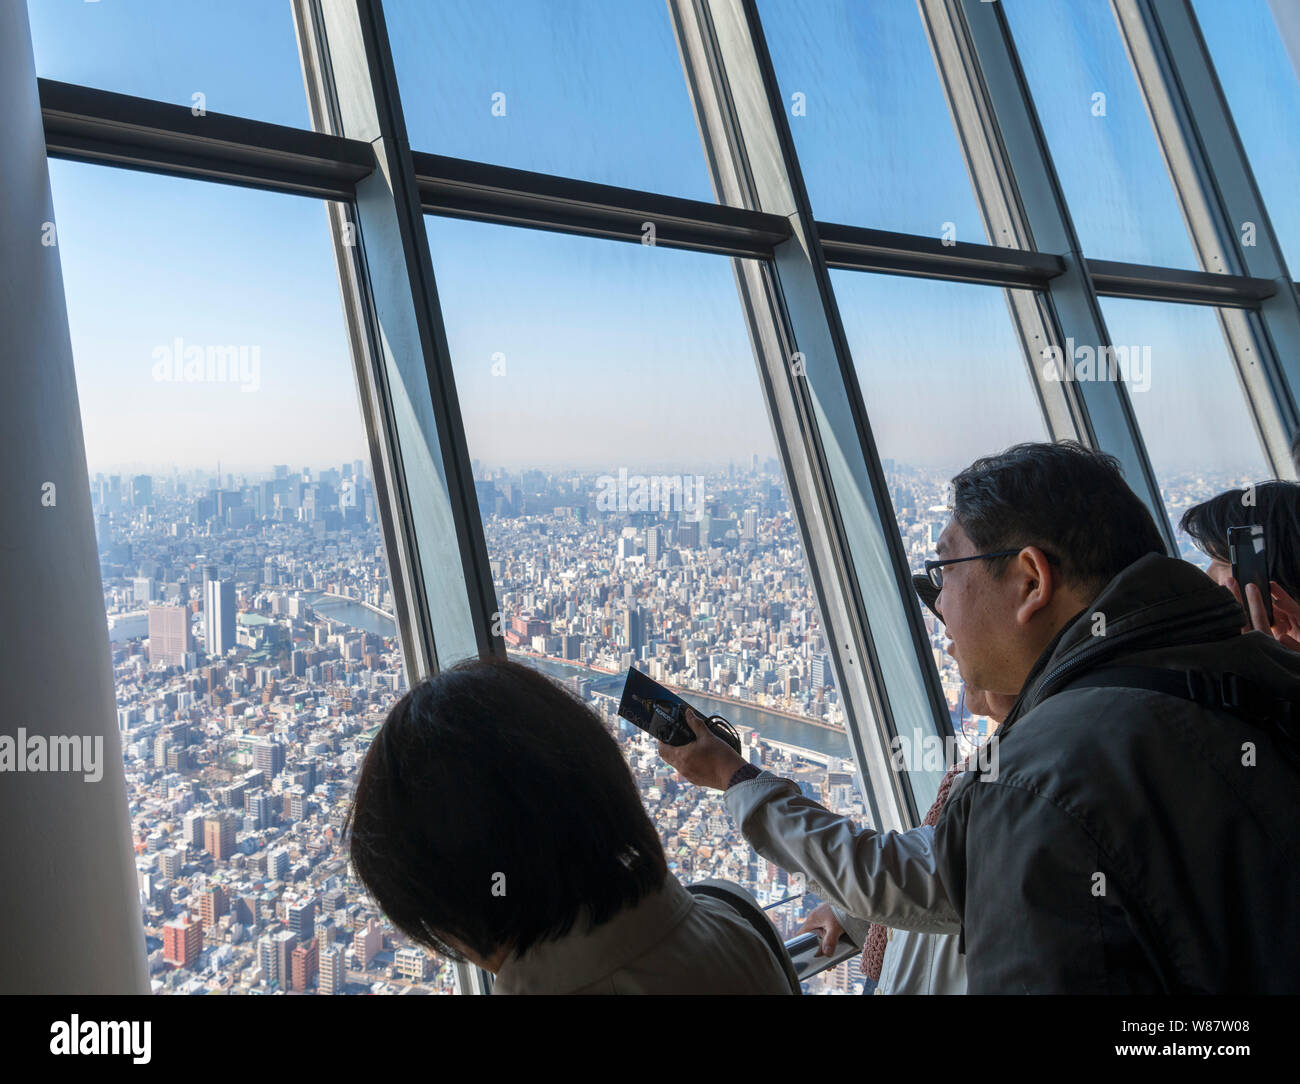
<point>869,119</point>
<point>584,89</point>
<point>940,393</point>
<point>237,57</point>
<point>1260,81</point>
<point>1106,155</point>
<point>247,590</point>
<point>635,512</point>
<point>1188,401</point>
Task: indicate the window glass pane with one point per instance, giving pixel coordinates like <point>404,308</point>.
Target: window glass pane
<point>944,381</point>
<point>635,512</point>
<point>1104,148</point>
<point>1189,404</point>
<point>579,88</point>
<point>1259,80</point>
<point>875,138</point>
<point>245,582</point>
<point>238,56</point>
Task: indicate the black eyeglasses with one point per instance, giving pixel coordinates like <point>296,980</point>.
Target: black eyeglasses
<point>934,569</point>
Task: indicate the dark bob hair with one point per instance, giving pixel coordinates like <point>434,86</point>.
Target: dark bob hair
<point>1273,505</point>
<point>494,808</point>
<point>1066,499</point>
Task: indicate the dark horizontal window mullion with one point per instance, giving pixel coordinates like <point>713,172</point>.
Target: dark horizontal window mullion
<point>1114,279</point>
<point>858,248</point>
<point>465,189</point>
<point>107,128</point>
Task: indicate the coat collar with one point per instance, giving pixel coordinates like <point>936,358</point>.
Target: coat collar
<point>1156,602</point>
<point>588,954</point>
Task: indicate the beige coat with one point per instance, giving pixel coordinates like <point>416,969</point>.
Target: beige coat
<point>865,875</point>
<point>672,942</point>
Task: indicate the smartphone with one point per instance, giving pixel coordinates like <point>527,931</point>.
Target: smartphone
<point>1249,558</point>
<point>662,714</point>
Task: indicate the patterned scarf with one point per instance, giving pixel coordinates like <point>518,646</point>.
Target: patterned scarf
<point>873,948</point>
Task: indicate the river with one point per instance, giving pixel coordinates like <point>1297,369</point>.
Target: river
<point>768,724</point>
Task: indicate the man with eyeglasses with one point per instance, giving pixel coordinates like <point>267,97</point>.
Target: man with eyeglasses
<point>1140,835</point>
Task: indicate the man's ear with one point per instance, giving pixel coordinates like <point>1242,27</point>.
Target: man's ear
<point>1035,583</point>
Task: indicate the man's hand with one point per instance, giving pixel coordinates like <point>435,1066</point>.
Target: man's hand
<point>708,761</point>
<point>821,920</point>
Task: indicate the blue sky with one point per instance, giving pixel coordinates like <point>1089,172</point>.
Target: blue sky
<point>594,90</point>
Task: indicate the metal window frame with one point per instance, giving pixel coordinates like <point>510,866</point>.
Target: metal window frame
<point>403,363</point>
<point>359,162</point>
<point>872,620</point>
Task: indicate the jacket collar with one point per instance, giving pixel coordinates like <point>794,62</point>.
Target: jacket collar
<point>1156,602</point>
<point>587,954</point>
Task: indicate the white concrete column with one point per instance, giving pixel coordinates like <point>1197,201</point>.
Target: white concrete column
<point>69,908</point>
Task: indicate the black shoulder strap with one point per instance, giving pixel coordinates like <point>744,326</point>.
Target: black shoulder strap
<point>1229,693</point>
<point>741,902</point>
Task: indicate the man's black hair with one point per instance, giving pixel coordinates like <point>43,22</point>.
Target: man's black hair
<point>1068,500</point>
<point>495,808</point>
<point>1275,506</point>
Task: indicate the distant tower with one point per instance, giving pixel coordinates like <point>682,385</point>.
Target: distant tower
<point>218,612</point>
<point>633,632</point>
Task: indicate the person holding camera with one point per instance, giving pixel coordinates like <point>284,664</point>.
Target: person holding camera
<point>1140,835</point>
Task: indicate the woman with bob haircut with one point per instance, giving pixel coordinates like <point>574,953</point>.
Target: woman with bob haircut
<point>496,821</point>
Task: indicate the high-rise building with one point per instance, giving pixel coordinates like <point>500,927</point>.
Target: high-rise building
<point>285,941</point>
<point>142,491</point>
<point>277,864</point>
<point>295,804</point>
<point>633,634</point>
<point>268,961</point>
<point>333,974</point>
<point>170,635</point>
<point>367,942</point>
<point>302,919</point>
<point>219,835</point>
<point>169,861</point>
<point>144,590</point>
<point>749,524</point>
<point>182,941</point>
<point>213,903</point>
<point>820,676</point>
<point>258,807</point>
<point>218,614</point>
<point>653,544</point>
<point>304,964</point>
<point>192,830</point>
<point>268,757</point>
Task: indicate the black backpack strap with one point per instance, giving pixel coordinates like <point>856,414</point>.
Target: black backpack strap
<point>1230,693</point>
<point>739,900</point>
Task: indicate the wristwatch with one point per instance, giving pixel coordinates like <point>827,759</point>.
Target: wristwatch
<point>748,771</point>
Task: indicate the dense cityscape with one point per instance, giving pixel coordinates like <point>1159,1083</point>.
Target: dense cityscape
<point>255,656</point>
